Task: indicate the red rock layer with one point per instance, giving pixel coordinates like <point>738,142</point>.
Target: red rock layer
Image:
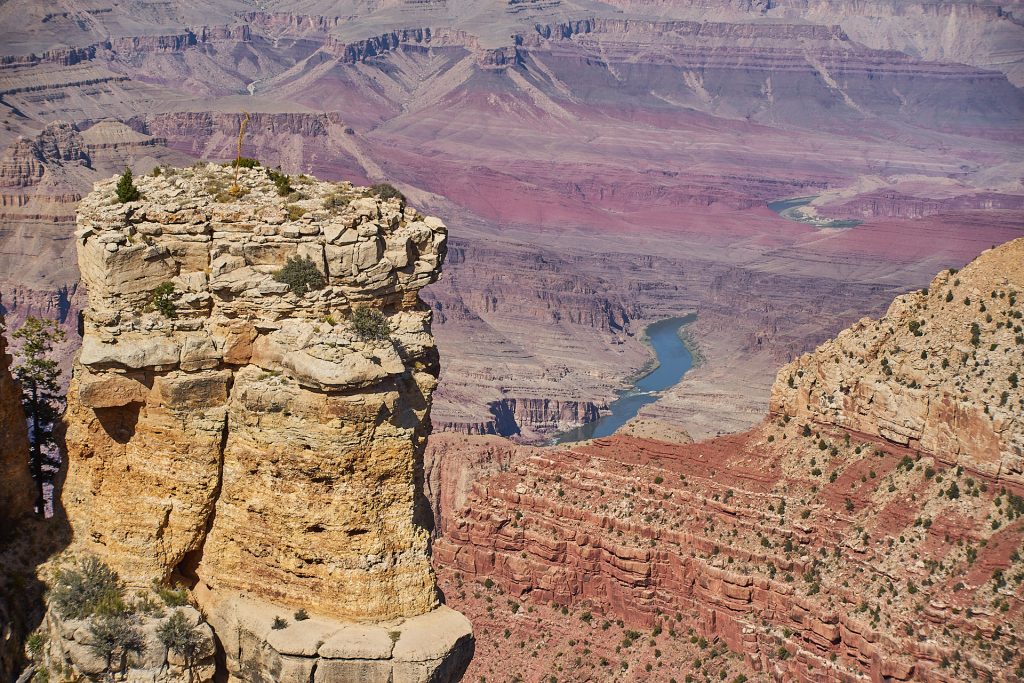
<point>816,566</point>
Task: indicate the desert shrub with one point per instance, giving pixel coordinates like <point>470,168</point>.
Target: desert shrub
<point>336,200</point>
<point>385,191</point>
<point>90,588</point>
<point>295,212</point>
<point>179,636</point>
<point>281,182</point>
<point>126,190</point>
<point>369,323</point>
<point>279,624</point>
<point>115,636</point>
<point>35,644</point>
<point>245,162</point>
<point>172,597</point>
<point>301,275</point>
<point>162,300</point>
<point>301,615</point>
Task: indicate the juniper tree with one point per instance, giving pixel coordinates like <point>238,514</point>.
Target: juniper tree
<point>38,375</point>
<point>126,190</point>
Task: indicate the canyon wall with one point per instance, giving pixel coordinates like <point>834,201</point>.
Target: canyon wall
<point>940,372</point>
<point>245,436</point>
<point>868,529</point>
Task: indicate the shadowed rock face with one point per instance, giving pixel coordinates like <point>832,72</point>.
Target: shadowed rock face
<point>17,491</point>
<point>869,528</point>
<point>254,441</point>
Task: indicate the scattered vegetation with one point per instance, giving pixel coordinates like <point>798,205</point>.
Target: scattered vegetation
<point>115,636</point>
<point>301,276</point>
<point>279,624</point>
<point>181,637</point>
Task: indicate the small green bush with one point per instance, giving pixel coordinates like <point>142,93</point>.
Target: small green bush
<point>245,162</point>
<point>162,300</point>
<point>301,615</point>
<point>279,624</point>
<point>281,182</point>
<point>301,275</point>
<point>35,644</point>
<point>90,588</point>
<point>126,190</point>
<point>115,635</point>
<point>179,636</point>
<point>385,191</point>
<point>370,323</point>
<point>172,597</point>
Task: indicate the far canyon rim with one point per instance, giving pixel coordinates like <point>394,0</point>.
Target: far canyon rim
<point>603,166</point>
<point>831,492</point>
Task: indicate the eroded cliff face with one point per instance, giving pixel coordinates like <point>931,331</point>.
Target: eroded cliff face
<point>940,372</point>
<point>228,430</point>
<point>875,536</point>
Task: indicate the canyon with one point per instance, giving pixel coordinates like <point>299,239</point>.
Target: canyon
<point>596,168</point>
<point>869,528</point>
<point>604,168</point>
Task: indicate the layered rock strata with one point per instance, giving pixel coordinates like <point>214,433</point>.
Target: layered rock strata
<point>821,546</point>
<point>251,439</point>
<point>940,372</point>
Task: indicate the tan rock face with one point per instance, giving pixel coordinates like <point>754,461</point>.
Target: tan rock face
<point>17,490</point>
<point>942,371</point>
<point>254,440</point>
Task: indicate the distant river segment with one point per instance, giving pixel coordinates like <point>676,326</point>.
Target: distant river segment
<point>793,210</point>
<point>674,360</point>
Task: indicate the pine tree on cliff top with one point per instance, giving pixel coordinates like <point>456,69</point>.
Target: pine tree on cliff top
<point>38,375</point>
<point>126,190</point>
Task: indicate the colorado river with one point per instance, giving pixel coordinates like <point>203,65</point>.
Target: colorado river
<point>793,209</point>
<point>674,360</point>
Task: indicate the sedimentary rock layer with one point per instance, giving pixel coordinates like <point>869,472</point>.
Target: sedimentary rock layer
<point>822,545</point>
<point>940,372</point>
<point>229,427</point>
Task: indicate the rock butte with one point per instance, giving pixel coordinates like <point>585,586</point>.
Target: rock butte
<point>872,527</point>
<point>253,444</point>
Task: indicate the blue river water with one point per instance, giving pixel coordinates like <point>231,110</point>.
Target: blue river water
<point>786,209</point>
<point>674,360</point>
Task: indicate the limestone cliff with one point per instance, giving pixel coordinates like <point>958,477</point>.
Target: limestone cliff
<point>231,430</point>
<point>940,372</point>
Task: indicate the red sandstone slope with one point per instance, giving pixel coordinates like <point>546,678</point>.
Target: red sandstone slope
<point>816,551</point>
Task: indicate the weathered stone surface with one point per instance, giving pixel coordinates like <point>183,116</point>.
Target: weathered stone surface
<point>254,442</point>
<point>434,647</point>
<point>939,372</point>
<point>68,648</point>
